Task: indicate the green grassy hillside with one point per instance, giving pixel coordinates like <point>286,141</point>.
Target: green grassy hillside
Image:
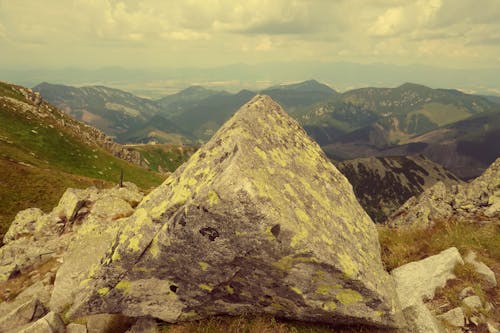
<point>41,155</point>
<point>164,157</point>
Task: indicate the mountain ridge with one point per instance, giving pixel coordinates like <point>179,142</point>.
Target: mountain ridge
<point>355,123</point>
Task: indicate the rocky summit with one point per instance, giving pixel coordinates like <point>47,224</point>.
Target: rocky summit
<point>257,221</point>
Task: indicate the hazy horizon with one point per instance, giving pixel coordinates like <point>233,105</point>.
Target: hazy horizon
<point>154,47</point>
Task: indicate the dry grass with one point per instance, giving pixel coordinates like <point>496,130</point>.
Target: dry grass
<point>263,324</point>
<point>482,235</point>
<point>229,325</point>
<point>401,246</point>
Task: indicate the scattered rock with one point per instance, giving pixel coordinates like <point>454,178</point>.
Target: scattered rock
<point>23,314</point>
<point>31,242</point>
<point>481,196</point>
<point>454,317</point>
<point>475,320</point>
<point>420,319</point>
<point>257,221</point>
<point>483,270</point>
<point>468,291</point>
<point>473,302</point>
<point>420,212</point>
<point>72,201</point>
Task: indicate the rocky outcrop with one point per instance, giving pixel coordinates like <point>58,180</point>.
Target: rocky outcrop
<point>479,197</point>
<point>77,233</point>
<point>257,221</point>
<point>91,242</point>
<point>35,238</point>
<point>383,184</point>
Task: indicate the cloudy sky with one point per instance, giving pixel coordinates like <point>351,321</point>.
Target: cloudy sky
<point>174,33</point>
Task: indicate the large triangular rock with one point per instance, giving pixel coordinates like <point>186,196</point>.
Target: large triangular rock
<point>257,221</point>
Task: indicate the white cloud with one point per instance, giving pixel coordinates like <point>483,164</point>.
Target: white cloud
<point>396,31</point>
<point>409,17</point>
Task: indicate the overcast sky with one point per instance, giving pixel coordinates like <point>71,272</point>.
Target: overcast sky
<point>166,33</point>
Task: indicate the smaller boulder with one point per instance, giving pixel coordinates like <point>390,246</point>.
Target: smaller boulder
<point>421,211</point>
<point>468,291</point>
<point>473,302</point>
<point>417,281</point>
<point>455,317</point>
<point>420,320</point>
<point>483,270</point>
<point>23,224</point>
<point>72,201</point>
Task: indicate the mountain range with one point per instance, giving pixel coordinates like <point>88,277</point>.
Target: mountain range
<point>447,126</point>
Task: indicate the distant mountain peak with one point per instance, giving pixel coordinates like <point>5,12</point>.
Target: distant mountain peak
<point>410,85</point>
<point>308,85</point>
<point>195,88</point>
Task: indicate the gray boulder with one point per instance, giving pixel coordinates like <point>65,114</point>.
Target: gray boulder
<point>486,273</point>
<point>418,281</point>
<point>23,224</point>
<point>473,302</point>
<point>420,320</point>
<point>258,221</point>
<point>455,317</point>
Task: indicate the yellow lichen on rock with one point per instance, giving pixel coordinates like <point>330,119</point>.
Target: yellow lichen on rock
<point>258,221</point>
<point>348,296</point>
